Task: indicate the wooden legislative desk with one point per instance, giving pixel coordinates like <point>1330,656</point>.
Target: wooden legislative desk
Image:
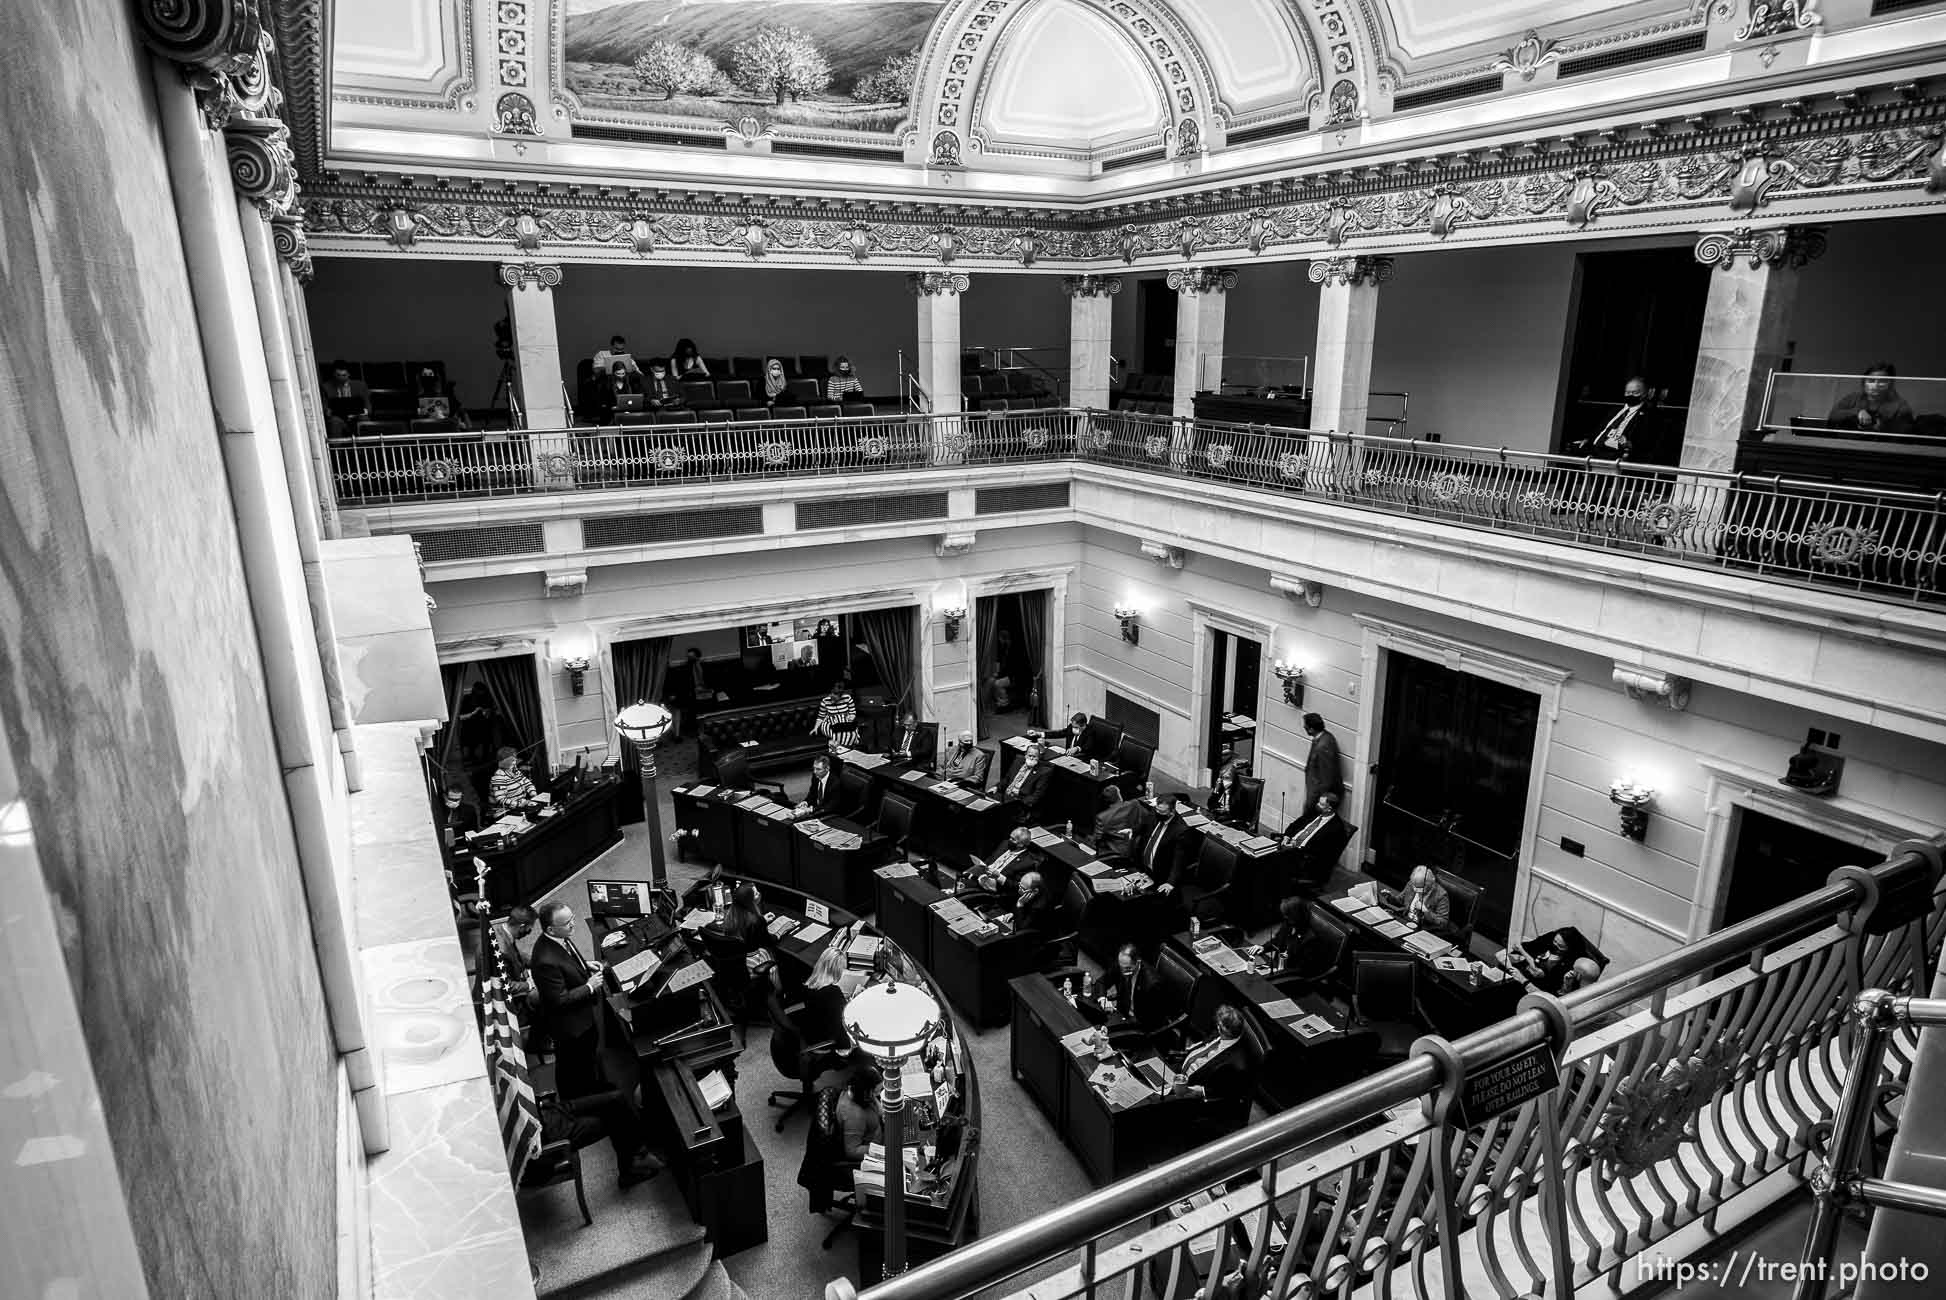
<point>750,835</point>
<point>971,969</point>
<point>1455,1002</point>
<point>1074,787</point>
<point>949,821</point>
<point>528,866</point>
<point>1265,874</point>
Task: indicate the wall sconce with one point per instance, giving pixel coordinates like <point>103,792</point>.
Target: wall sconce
<point>577,673</point>
<point>1291,674</point>
<point>1131,623</point>
<point>1634,800</point>
<point>953,618</point>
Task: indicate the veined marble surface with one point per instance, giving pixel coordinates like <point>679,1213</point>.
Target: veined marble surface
<point>399,874</point>
<point>422,1014</point>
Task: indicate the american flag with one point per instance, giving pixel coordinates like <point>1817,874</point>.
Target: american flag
<point>513,1092</point>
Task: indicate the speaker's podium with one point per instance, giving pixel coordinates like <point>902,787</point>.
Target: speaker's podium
<point>713,1160</point>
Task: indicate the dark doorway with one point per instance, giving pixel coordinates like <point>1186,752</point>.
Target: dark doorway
<point>1638,312</point>
<point>1155,308</point>
<point>1230,698</point>
<point>490,704</point>
<point>1013,650</point>
<point>1454,755</point>
<point>1775,862</point>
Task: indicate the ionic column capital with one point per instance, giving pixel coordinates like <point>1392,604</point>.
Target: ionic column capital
<point>224,50</point>
<point>262,167</point>
<point>519,275</point>
<point>930,284</point>
<point>1788,246</point>
<point>1091,286</point>
<point>1202,279</point>
<point>1352,270</point>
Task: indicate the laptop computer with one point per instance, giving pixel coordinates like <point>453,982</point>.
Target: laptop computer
<point>345,407</point>
<point>628,402</point>
<point>618,898</point>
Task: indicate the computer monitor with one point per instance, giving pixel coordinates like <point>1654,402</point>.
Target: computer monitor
<point>618,898</point>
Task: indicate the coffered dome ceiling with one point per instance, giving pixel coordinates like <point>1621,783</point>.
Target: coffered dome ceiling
<point>1064,77</point>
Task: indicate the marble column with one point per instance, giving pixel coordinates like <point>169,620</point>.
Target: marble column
<point>530,304</point>
<point>1090,337</point>
<point>1746,324</point>
<point>938,293</point>
<point>1200,294</point>
<point>1341,370</point>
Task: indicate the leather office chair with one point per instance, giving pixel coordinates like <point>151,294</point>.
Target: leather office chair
<point>986,767</point>
<point>1321,966</point>
<point>1134,757</point>
<point>733,771</point>
<point>895,822</point>
<point>1178,978</point>
<point>731,970</point>
<point>1249,802</point>
<point>1208,891</point>
<point>1463,899</point>
<point>557,1162</point>
<point>854,794</point>
<point>795,1059</point>
<point>1385,1000</point>
<point>1100,739</point>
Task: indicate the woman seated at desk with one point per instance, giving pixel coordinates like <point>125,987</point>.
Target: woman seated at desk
<point>823,1017</point>
<point>1876,407</point>
<point>858,1119</point>
<point>1225,799</point>
<point>511,789</point>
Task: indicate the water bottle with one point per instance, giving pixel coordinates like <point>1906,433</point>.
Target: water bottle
<point>1094,768</point>
<point>1195,926</point>
<point>1072,993</point>
<point>1070,830</point>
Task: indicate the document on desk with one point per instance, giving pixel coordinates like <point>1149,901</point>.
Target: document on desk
<point>1313,1026</point>
<point>702,791</point>
<point>913,775</point>
<point>958,794</point>
<point>755,801</point>
<point>857,758</point>
<point>715,1089</point>
<point>1427,945</point>
<point>1220,957</point>
<point>1120,1087</point>
<point>812,932</point>
<point>1072,764</point>
<point>1081,1042</point>
<point>969,924</point>
<point>895,871</point>
<point>943,787</point>
<point>780,926</point>
<point>1195,821</point>
<point>980,803</point>
<point>1393,928</point>
<point>1453,964</point>
<point>777,813</point>
<point>1259,844</point>
<point>631,972</point>
<point>1094,867</point>
<point>1042,838</point>
<point>688,977</point>
<point>1283,1009</point>
<point>695,919</point>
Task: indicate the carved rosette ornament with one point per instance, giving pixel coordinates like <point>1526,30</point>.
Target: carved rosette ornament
<point>538,275</point>
<point>872,447</point>
<point>668,460</point>
<point>1292,464</point>
<point>1155,446</point>
<point>1650,1116</point>
<point>1091,286</point>
<point>1352,270</point>
<point>439,471</point>
<point>1202,279</point>
<point>223,49</point>
<point>1528,56</point>
<point>928,284</point>
<point>1786,246</point>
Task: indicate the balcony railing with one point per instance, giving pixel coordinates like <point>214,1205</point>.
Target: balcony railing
<point>1682,1084</point>
<point>1882,544</point>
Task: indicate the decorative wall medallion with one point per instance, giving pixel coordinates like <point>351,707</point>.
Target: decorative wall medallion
<point>755,237</point>
<point>858,240</point>
<point>1936,165</point>
<point>945,150</point>
<point>1293,465</point>
<point>1449,487</point>
<point>1189,138</point>
<point>1026,246</point>
<point>1218,454</point>
<point>1155,446</point>
<point>669,460</point>
<point>1586,198</point>
<point>1528,56</point>
<point>1648,1118</point>
<point>1769,54</point>
<point>872,447</point>
<point>558,464</point>
<point>1535,500</point>
<point>1788,246</point>
<point>946,244</point>
<point>527,231</point>
<point>401,226</point>
<point>513,114</point>
<point>776,453</point>
<point>1035,438</point>
<point>641,235</point>
<point>1089,438</point>
<point>1777,18</point>
<point>442,471</point>
<point>1343,109</point>
<point>1665,518</point>
<point>1189,236</point>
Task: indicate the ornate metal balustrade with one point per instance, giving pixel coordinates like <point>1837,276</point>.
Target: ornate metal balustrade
<point>1890,545</point>
<point>1680,1086</point>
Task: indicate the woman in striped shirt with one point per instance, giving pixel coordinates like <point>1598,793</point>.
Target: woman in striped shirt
<point>838,716</point>
<point>842,381</point>
<point>510,788</point>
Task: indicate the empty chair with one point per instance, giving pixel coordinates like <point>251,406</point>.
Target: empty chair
<point>895,821</point>
<point>734,393</point>
<point>393,404</point>
<point>1019,381</point>
<point>716,415</point>
<point>786,412</point>
<point>972,386</point>
<point>854,793</point>
<point>673,417</point>
<point>1207,892</point>
<point>718,366</point>
<point>753,413</point>
<point>1385,1000</point>
<point>634,417</point>
<point>698,392</point>
<point>813,367</point>
<point>1249,802</point>
<point>385,374</point>
<point>859,409</point>
<point>804,390</point>
<point>824,410</point>
<point>747,367</point>
<point>794,1058</point>
<point>1134,757</point>
<point>1463,897</point>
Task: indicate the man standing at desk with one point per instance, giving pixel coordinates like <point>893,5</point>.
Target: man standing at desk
<point>1167,853</point>
<point>511,790</point>
<point>1423,902</point>
<point>1029,785</point>
<point>1324,769</point>
<point>1318,841</point>
<point>569,987</point>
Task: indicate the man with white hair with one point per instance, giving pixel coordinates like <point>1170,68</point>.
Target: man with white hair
<point>1423,902</point>
<point>965,761</point>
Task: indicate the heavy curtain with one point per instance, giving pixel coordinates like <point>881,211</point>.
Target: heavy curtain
<point>450,677</point>
<point>641,673</point>
<point>987,619</point>
<point>888,638</point>
<point>517,696</point>
<point>1033,630</point>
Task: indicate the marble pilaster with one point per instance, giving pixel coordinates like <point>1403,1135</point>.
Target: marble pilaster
<point>1200,301</point>
<point>1746,327</point>
<point>1090,337</point>
<point>537,347</point>
<point>1341,385</point>
<point>938,294</point>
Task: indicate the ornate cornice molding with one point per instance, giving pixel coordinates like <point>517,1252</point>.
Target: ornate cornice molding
<point>1351,270</point>
<point>1091,286</point>
<point>1786,246</point>
<point>299,27</point>
<point>520,275</point>
<point>1202,279</point>
<point>929,284</point>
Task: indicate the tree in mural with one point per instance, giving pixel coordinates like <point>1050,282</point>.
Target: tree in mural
<point>675,69</point>
<point>780,61</point>
<point>891,84</point>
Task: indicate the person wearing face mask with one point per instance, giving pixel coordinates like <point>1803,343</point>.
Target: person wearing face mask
<point>1223,800</point>
<point>776,386</point>
<point>1029,784</point>
<point>462,818</point>
<point>1168,855</point>
<point>842,381</point>
<point>659,391</point>
<point>1131,990</point>
<point>1423,902</point>
<point>1016,858</point>
<point>1036,915</point>
<point>1876,407</point>
<point>1626,435</point>
<point>622,382</point>
<point>965,761</point>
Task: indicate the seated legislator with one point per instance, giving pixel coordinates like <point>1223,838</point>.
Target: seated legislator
<point>1217,1067</point>
<point>1225,805</point>
<point>1319,840</point>
<point>1029,784</point>
<point>1423,902</point>
<point>1131,990</point>
<point>1876,407</point>
<point>1037,914</point>
<point>511,789</point>
<point>1557,962</point>
<point>1069,737</point>
<point>821,796</point>
<point>915,742</point>
<point>1168,855</point>
<point>965,762</point>
<point>1119,827</point>
<point>1292,949</point>
<point>1016,858</point>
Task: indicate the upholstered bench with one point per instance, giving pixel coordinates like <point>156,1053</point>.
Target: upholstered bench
<point>782,733</point>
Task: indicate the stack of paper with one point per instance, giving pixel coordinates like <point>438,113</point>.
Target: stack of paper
<point>812,826</point>
<point>702,791</point>
<point>980,803</point>
<point>1220,957</point>
<point>958,794</point>
<point>752,802</point>
<point>715,1089</point>
<point>1283,1009</point>
<point>913,775</point>
<point>1042,838</point>
<point>866,761</point>
<point>1195,821</point>
<point>1120,1087</point>
<point>695,919</point>
<point>1394,929</point>
<point>1452,963</point>
<point>895,871</point>
<point>631,972</point>
<point>812,932</point>
<point>1427,945</point>
<point>1259,844</point>
<point>863,951</point>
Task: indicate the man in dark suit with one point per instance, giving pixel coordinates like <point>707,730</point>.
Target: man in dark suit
<point>1029,784</point>
<point>822,795</point>
<point>1319,840</point>
<point>1168,856</point>
<point>916,742</point>
<point>1218,1067</point>
<point>1037,915</point>
<point>1324,768</point>
<point>1119,827</point>
<point>690,688</point>
<point>568,986</point>
<point>1016,858</point>
<point>1131,990</point>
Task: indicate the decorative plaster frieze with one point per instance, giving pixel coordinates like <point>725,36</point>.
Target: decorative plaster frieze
<point>1789,246</point>
<point>1352,270</point>
<point>1528,56</point>
<point>1770,18</point>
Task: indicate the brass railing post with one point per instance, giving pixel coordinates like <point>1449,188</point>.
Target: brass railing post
<point>1876,1014</point>
<point>1554,1193</point>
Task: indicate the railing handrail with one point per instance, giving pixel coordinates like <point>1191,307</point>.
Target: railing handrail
<point>992,1260</point>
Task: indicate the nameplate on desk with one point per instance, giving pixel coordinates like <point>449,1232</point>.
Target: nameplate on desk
<point>688,977</point>
<point>817,911</point>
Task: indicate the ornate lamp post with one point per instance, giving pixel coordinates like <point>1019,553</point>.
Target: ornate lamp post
<point>892,1022</point>
<point>644,724</point>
